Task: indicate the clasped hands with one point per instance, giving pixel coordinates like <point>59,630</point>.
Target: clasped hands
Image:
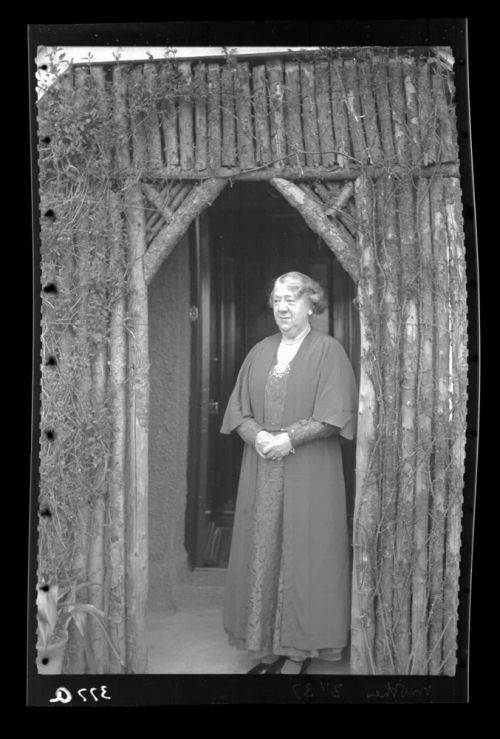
<point>270,446</point>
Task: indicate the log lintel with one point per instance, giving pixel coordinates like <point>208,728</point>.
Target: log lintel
<point>327,174</point>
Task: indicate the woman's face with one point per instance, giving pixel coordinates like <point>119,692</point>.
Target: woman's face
<point>291,313</point>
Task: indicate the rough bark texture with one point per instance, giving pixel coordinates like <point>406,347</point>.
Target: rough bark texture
<point>448,148</point>
<point>398,105</point>
<point>458,302</point>
<point>116,514</point>
<point>151,121</point>
<point>339,109</point>
<point>441,431</point>
<point>168,115</point>
<point>200,116</point>
<point>293,123</point>
<point>366,86</point>
<point>277,128</point>
<point>96,543</point>
<point>136,546</point>
<point>77,662</point>
<point>304,173</point>
<point>244,117</point>
<point>424,433</point>
<point>390,339</point>
<point>214,118</point>
<point>197,200</point>
<point>384,110</point>
<point>186,140</point>
<point>367,467</point>
<point>228,117</point>
<point>410,85</point>
<point>316,219</point>
<point>263,141</point>
<point>310,117</point>
<point>427,130</point>
<point>137,116</point>
<point>324,110</point>
<point>403,555</point>
<point>350,79</point>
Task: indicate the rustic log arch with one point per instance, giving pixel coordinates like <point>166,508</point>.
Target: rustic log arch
<point>372,128</point>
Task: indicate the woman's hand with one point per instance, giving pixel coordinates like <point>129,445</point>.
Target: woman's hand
<point>278,447</point>
<point>262,440</point>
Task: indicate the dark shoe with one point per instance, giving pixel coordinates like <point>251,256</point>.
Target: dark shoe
<point>303,666</point>
<point>264,668</point>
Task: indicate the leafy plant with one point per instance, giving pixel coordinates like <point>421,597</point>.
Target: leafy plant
<point>56,610</point>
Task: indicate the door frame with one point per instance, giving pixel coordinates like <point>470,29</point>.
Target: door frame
<point>200,447</point>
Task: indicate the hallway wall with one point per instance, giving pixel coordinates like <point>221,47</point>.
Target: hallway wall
<point>169,337</point>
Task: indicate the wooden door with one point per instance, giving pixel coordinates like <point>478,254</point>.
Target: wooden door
<point>236,257</point>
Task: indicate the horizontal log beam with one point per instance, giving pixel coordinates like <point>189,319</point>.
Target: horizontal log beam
<point>448,169</point>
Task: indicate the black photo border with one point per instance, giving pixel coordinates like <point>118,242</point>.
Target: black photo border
<point>163,690</point>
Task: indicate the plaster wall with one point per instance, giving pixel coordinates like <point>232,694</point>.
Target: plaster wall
<point>169,355</point>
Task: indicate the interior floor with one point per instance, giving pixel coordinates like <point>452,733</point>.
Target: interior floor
<point>192,640</point>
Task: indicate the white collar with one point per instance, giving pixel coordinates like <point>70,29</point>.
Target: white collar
<point>298,338</point>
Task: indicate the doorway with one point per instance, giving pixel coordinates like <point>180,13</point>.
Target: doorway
<point>248,237</point>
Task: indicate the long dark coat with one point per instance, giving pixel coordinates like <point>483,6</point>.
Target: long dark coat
<point>321,385</point>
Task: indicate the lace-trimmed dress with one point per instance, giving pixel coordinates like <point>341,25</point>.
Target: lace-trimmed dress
<point>265,609</point>
<point>265,600</point>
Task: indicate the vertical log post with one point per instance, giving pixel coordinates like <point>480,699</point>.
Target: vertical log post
<point>95,564</point>
<point>324,110</point>
<point>354,110</point>
<point>366,85</point>
<point>186,139</point>
<point>214,118</point>
<point>169,119</point>
<point>244,130</point>
<point>403,557</point>
<point>420,594</point>
<point>277,128</point>
<point>390,342</point>
<point>398,111</point>
<point>384,110</point>
<point>441,430</point>
<point>458,326</point>
<point>263,142</point>
<point>137,115</point>
<point>99,272</point>
<point>447,134</point>
<point>310,116</point>
<point>115,519</point>
<point>228,116</point>
<point>137,453</point>
<point>410,85</point>
<point>367,453</point>
<point>78,663</point>
<point>293,123</point>
<point>426,117</point>
<point>151,120</point>
<point>200,116</point>
<point>339,109</point>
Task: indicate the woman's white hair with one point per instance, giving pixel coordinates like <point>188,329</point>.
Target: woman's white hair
<point>302,285</point>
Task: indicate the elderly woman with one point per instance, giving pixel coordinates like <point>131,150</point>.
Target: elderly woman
<point>287,591</point>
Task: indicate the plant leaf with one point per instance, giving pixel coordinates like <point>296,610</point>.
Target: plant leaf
<point>79,619</point>
<point>46,603</point>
